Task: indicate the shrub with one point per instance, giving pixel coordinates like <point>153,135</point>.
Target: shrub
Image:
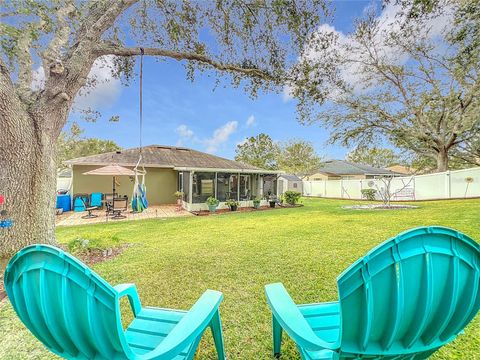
<point>212,201</point>
<point>256,201</point>
<point>291,197</point>
<point>231,202</point>
<point>369,194</point>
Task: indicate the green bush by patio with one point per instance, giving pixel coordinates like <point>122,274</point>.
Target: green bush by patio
<point>173,261</point>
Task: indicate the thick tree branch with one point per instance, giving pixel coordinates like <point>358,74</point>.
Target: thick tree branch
<point>110,49</point>
<point>62,33</point>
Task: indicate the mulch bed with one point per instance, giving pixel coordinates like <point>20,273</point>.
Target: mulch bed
<point>243,209</point>
<point>90,257</point>
<point>94,256</point>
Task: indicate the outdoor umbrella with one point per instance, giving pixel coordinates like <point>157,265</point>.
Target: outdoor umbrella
<point>111,170</point>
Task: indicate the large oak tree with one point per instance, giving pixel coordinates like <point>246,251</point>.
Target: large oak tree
<point>409,76</point>
<point>253,41</point>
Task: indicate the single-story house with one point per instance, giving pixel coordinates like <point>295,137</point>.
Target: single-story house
<point>288,182</point>
<point>169,169</point>
<point>346,170</point>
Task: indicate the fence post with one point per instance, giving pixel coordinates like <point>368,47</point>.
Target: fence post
<point>448,185</point>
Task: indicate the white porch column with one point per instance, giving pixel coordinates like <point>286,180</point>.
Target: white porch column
<point>190,190</point>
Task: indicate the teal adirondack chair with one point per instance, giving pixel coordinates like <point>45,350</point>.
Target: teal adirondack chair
<point>404,300</point>
<point>76,314</point>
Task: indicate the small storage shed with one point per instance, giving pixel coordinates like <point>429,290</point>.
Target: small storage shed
<point>289,182</point>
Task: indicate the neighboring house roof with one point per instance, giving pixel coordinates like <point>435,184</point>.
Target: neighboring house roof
<point>166,157</point>
<point>289,177</point>
<point>342,167</point>
<point>64,173</point>
<point>407,170</point>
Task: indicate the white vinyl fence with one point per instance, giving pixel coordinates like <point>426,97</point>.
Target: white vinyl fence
<point>447,185</point>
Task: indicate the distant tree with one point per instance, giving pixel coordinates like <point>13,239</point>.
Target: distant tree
<point>374,156</point>
<point>258,151</point>
<point>71,145</point>
<point>298,157</point>
<point>405,79</point>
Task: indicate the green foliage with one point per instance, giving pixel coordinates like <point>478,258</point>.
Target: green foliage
<point>369,194</point>
<point>212,201</point>
<point>259,151</point>
<point>298,157</point>
<point>291,197</point>
<point>178,194</point>
<point>72,145</point>
<point>257,201</point>
<point>232,202</point>
<point>374,156</point>
<point>261,36</point>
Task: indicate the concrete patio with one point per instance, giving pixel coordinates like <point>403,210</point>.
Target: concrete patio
<point>156,211</point>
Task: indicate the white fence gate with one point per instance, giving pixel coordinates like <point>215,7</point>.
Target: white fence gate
<point>447,185</point>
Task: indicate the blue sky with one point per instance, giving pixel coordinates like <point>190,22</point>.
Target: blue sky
<point>195,115</point>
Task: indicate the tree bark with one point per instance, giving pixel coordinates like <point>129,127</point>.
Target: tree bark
<point>442,160</point>
<point>27,181</point>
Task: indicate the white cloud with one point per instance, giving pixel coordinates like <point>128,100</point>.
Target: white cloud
<point>287,93</point>
<point>102,88</point>
<point>250,121</point>
<point>38,81</point>
<point>184,131</point>
<point>220,136</point>
<point>241,142</point>
<point>390,21</point>
<point>106,88</point>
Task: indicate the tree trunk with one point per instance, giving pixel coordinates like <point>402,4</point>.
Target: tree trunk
<point>27,180</point>
<point>442,161</point>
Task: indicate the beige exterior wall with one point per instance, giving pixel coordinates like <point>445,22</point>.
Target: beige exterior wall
<point>160,183</point>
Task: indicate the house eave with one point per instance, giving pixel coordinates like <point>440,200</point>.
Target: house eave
<point>241,171</point>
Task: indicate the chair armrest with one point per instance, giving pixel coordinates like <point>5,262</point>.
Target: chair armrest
<point>130,290</point>
<point>292,321</point>
<point>189,327</point>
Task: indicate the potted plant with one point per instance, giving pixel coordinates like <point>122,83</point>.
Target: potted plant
<point>179,196</point>
<point>272,200</point>
<point>256,203</point>
<point>212,203</point>
<point>233,204</point>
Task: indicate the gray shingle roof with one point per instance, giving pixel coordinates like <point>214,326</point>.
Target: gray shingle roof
<point>162,156</point>
<point>289,177</point>
<point>342,167</point>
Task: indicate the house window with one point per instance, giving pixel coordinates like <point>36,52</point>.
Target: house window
<point>203,186</point>
<point>295,185</point>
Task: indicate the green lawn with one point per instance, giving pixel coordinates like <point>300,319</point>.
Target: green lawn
<point>175,260</point>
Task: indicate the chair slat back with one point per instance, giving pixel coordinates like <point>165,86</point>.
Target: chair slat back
<point>412,294</point>
<point>68,307</point>
<point>120,204</point>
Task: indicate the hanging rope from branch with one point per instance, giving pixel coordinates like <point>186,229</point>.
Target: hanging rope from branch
<point>139,195</point>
